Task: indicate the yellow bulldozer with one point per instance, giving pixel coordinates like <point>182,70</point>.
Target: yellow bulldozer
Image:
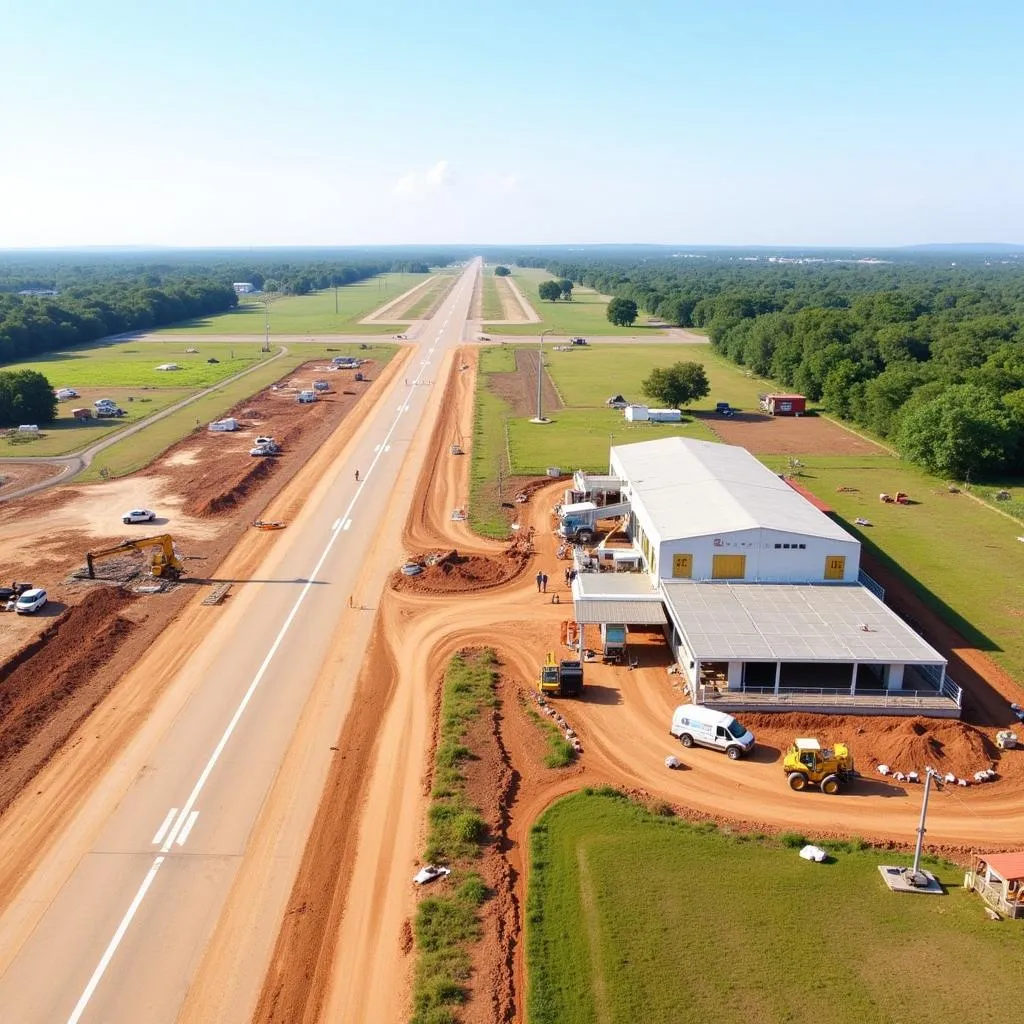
<point>560,678</point>
<point>808,763</point>
<point>164,561</point>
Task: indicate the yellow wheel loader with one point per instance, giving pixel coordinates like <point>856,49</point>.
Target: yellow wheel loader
<point>808,763</point>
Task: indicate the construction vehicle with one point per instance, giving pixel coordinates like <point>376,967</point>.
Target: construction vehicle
<point>164,560</point>
<point>561,678</point>
<point>808,763</point>
<point>578,522</point>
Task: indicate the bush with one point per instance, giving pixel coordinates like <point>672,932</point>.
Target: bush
<point>793,840</point>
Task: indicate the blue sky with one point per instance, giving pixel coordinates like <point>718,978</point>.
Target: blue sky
<point>259,123</point>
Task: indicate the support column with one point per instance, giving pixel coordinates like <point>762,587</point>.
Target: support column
<point>853,680</point>
<point>735,675</point>
<point>894,677</point>
<point>778,676</point>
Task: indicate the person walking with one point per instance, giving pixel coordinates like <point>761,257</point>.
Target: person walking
<point>540,579</point>
<point>544,583</point>
<point>357,476</point>
<point>567,571</point>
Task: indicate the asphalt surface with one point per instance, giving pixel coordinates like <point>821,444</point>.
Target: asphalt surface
<point>118,935</point>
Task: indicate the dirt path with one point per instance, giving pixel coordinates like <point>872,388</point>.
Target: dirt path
<point>527,313</point>
<point>392,311</point>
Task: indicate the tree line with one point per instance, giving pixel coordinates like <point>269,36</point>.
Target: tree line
<point>26,397</point>
<point>925,355</point>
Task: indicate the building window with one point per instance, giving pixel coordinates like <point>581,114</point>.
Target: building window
<point>777,546</point>
<point>801,546</point>
<point>786,547</point>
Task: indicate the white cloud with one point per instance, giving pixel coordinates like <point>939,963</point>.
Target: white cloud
<point>418,182</point>
<point>510,182</point>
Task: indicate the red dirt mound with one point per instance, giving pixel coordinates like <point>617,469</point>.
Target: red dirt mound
<point>39,680</point>
<point>904,744</point>
<point>453,573</point>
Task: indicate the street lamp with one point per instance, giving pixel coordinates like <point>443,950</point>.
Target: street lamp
<point>539,418</point>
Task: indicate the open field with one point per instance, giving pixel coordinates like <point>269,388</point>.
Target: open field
<point>974,591</point>
<point>491,308</point>
<point>140,449</point>
<point>127,364</point>
<point>429,298</point>
<point>584,315</point>
<point>635,916</point>
<point>66,434</point>
<point>309,314</point>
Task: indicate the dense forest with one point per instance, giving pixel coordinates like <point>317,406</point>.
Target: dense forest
<point>927,353</point>
<point>51,301</point>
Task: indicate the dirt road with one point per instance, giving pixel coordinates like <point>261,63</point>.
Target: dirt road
<point>127,896</point>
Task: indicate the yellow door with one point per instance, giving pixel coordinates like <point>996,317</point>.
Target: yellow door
<point>729,567</point>
<point>835,567</point>
<point>682,567</point>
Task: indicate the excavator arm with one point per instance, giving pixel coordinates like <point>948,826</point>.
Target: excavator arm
<point>164,561</point>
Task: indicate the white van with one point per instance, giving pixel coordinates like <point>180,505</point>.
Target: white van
<point>693,723</point>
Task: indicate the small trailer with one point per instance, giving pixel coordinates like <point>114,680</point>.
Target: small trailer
<point>784,405</point>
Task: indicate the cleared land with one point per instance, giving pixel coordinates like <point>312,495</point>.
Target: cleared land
<point>140,449</point>
<point>635,916</point>
<point>491,306</point>
<point>428,300</point>
<point>309,314</point>
<point>585,314</point>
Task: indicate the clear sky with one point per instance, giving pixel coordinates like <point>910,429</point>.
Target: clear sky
<point>331,122</point>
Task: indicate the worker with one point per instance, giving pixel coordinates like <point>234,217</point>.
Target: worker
<point>357,476</point>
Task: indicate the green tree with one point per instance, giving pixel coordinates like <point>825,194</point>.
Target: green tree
<point>622,312</point>
<point>26,396</point>
<point>549,291</point>
<point>502,272</point>
<point>565,287</point>
<point>962,431</point>
<point>676,385</point>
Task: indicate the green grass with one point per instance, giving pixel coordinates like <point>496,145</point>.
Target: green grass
<point>561,752</point>
<point>490,302</point>
<point>66,434</point>
<point>636,916</point>
<point>133,364</point>
<point>580,439</point>
<point>429,297</point>
<point>585,314</point>
<point>447,924</point>
<point>954,551</point>
<point>488,452</point>
<point>137,451</point>
<point>310,314</point>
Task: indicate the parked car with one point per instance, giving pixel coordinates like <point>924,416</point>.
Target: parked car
<point>64,393</point>
<point>265,449</point>
<point>139,515</point>
<point>30,602</point>
<point>264,439</point>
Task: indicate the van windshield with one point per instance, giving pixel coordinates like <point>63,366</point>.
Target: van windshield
<point>736,731</point>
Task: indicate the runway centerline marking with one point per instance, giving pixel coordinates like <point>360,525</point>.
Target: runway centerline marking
<point>162,830</point>
<point>186,816</point>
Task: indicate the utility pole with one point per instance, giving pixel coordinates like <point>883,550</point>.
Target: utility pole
<point>539,418</point>
<point>929,774</point>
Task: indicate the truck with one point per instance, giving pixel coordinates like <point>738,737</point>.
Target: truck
<point>695,724</point>
<point>560,678</point>
<point>307,396</point>
<point>578,522</point>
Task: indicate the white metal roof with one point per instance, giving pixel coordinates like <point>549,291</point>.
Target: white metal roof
<point>696,488</point>
<point>609,586</point>
<point>792,622</point>
<point>629,613</point>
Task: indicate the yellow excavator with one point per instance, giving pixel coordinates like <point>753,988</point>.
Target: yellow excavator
<point>164,561</point>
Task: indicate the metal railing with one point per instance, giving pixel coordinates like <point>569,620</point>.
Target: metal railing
<point>826,696</point>
<point>874,586</point>
<point>942,682</point>
<point>993,896</point>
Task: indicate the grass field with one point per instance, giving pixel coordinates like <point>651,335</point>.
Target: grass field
<point>490,304</point>
<point>584,315</point>
<point>66,434</point>
<point>633,916</point>
<point>142,448</point>
<point>958,554</point>
<point>310,314</point>
<point>128,364</point>
<point>430,296</point>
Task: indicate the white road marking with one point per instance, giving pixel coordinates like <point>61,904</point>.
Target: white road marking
<point>337,523</point>
<point>185,813</point>
<point>348,524</point>
<point>162,830</point>
<point>108,954</point>
<point>183,834</point>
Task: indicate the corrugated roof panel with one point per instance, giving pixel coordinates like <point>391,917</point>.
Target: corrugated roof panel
<point>632,613</point>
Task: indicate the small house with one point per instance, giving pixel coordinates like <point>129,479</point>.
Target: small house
<point>243,287</point>
<point>998,878</point>
<point>784,405</point>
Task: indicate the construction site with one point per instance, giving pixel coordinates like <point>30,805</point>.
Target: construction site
<point>230,714</point>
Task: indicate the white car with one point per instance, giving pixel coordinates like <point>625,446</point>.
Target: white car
<point>31,601</point>
<point>430,873</point>
<point>139,515</point>
<point>63,393</point>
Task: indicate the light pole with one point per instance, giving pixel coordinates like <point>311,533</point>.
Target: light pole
<point>267,299</point>
<point>539,418</point>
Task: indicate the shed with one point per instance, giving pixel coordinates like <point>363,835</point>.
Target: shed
<point>664,415</point>
<point>226,424</point>
<point>636,413</point>
<point>999,879</point>
<point>784,405</point>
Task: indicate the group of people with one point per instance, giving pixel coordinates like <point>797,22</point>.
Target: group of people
<point>542,579</point>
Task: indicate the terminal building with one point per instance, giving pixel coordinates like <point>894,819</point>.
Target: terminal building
<point>760,594</point>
